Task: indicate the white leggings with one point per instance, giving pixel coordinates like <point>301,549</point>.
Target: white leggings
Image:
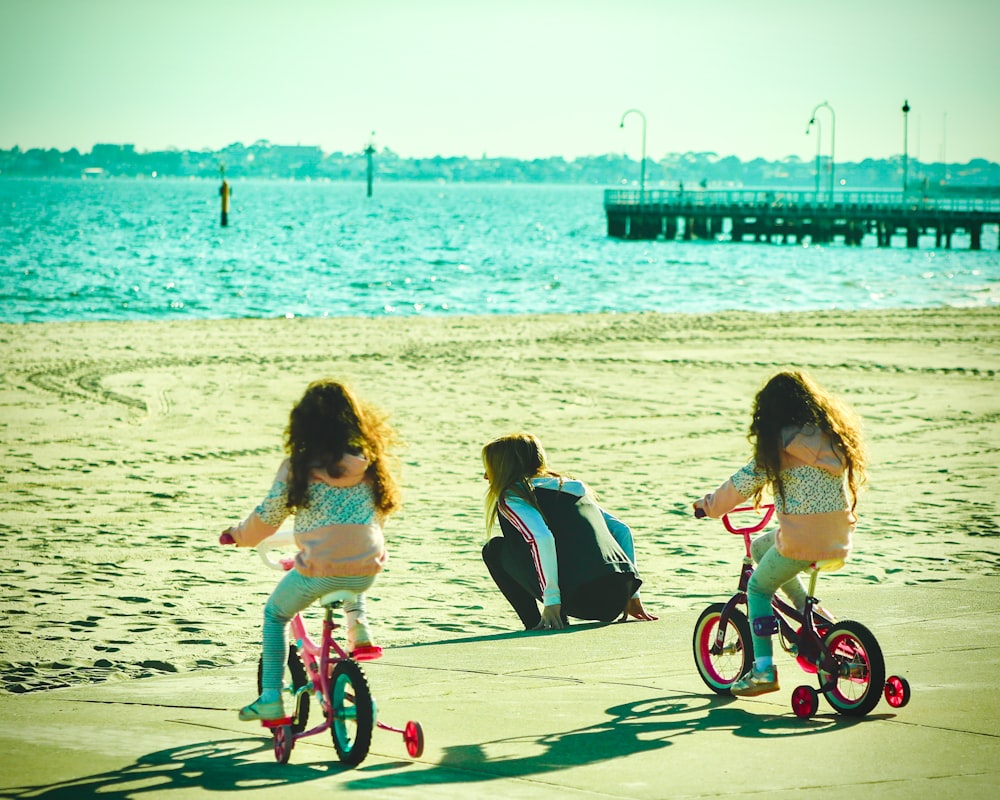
<point>294,593</point>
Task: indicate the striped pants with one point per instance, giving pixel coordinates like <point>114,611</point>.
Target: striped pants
<point>294,593</point>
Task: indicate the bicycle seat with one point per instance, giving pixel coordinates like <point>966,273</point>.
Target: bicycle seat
<point>336,597</point>
<point>827,565</point>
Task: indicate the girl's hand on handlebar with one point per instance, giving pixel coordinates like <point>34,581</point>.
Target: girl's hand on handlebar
<point>551,619</point>
<point>226,537</point>
<point>635,609</point>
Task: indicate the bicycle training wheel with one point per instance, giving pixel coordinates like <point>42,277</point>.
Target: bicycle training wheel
<point>897,691</point>
<point>860,677</point>
<point>413,738</point>
<point>284,740</point>
<point>353,713</point>
<point>720,667</point>
<point>805,701</point>
<point>298,673</point>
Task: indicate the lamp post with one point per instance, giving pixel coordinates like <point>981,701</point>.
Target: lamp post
<point>906,117</point>
<point>819,142</point>
<point>642,170</point>
<point>833,138</point>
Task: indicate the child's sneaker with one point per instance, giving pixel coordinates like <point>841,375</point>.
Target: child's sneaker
<point>358,635</point>
<point>754,683</point>
<point>263,711</point>
<point>359,643</point>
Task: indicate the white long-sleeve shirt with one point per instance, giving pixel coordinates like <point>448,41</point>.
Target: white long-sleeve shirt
<point>531,525</point>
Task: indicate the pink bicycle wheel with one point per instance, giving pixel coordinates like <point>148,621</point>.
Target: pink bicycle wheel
<point>858,677</point>
<point>413,737</point>
<point>720,665</point>
<point>805,701</point>
<point>284,740</point>
<point>897,691</point>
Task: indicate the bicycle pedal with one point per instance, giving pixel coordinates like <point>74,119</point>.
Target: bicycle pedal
<point>367,653</point>
<point>276,723</point>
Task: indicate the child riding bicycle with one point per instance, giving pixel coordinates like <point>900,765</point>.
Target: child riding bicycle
<point>337,483</point>
<point>808,451</point>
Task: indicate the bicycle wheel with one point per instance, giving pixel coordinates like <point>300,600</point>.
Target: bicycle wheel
<point>353,712</point>
<point>720,667</point>
<point>413,738</point>
<point>805,701</point>
<point>897,691</point>
<point>860,675</point>
<point>298,673</point>
<point>283,743</point>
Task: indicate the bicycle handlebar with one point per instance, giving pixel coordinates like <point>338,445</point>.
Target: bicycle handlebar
<point>768,510</point>
<point>276,541</point>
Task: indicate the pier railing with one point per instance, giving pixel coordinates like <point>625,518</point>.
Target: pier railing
<point>877,200</point>
<point>770,214</point>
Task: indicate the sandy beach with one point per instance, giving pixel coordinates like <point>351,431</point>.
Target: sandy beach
<point>127,447</point>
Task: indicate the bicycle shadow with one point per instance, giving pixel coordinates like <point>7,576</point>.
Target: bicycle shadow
<point>234,765</point>
<point>629,728</point>
<point>218,766</point>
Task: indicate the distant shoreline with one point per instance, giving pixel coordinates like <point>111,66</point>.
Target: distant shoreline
<point>264,160</point>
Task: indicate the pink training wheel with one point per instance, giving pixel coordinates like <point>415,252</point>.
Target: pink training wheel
<point>805,701</point>
<point>897,691</point>
<point>284,740</point>
<point>413,737</point>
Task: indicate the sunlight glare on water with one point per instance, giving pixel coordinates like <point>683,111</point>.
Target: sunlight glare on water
<point>154,249</point>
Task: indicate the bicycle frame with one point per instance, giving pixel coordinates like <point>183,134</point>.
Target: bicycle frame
<point>810,647</point>
<point>319,660</point>
<point>844,655</point>
<point>322,663</point>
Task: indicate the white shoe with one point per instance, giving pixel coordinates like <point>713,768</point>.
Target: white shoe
<point>264,712</point>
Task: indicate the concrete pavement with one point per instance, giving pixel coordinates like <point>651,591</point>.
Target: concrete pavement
<point>612,711</point>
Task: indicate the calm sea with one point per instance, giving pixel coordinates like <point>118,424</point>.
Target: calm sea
<point>154,249</point>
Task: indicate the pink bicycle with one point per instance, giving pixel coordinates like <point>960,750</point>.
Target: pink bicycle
<point>844,655</point>
<point>325,673</point>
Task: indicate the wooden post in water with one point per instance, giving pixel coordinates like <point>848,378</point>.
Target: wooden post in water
<point>224,193</point>
<point>369,152</point>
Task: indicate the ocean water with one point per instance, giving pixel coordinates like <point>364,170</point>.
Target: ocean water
<point>154,249</point>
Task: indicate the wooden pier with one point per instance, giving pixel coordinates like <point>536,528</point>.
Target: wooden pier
<point>791,216</point>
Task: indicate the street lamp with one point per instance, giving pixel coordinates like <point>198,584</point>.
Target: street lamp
<point>906,117</point>
<point>819,141</point>
<point>642,171</point>
<point>833,138</point>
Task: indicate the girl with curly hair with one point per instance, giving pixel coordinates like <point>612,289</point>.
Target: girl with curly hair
<point>809,453</point>
<point>338,485</point>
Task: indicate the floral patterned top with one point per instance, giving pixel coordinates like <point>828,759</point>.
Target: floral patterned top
<point>815,517</point>
<point>338,533</point>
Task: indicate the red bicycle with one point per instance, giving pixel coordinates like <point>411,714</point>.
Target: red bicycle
<point>325,673</point>
<point>844,655</point>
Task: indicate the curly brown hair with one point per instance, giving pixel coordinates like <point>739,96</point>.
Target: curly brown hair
<point>328,423</point>
<point>794,398</point>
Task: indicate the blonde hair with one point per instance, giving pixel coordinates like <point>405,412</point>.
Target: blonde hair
<point>511,462</point>
<point>794,398</point>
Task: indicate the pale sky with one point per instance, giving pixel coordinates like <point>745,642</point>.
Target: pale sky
<point>518,78</point>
